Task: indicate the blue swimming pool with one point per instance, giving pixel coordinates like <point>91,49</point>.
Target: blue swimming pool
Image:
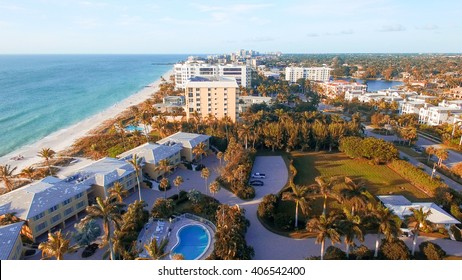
<point>132,128</point>
<point>193,241</point>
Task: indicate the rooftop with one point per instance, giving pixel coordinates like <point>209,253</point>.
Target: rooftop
<point>8,236</point>
<point>103,172</point>
<point>153,153</point>
<point>188,140</point>
<point>216,81</point>
<point>37,197</point>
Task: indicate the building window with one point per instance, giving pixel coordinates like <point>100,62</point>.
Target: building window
<point>66,202</point>
<point>39,216</point>
<point>80,204</point>
<point>41,226</point>
<point>56,218</point>
<point>191,110</point>
<point>79,195</point>
<point>53,209</point>
<point>68,211</point>
<point>190,94</point>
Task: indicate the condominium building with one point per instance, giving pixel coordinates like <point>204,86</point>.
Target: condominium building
<point>335,88</point>
<point>152,154</point>
<point>321,74</point>
<point>11,246</point>
<point>46,204</point>
<point>188,142</point>
<point>214,96</point>
<point>436,115</point>
<point>244,102</point>
<point>184,72</point>
<point>103,174</point>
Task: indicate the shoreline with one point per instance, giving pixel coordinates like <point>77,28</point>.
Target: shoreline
<point>64,138</point>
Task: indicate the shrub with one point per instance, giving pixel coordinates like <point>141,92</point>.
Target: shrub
<point>284,221</point>
<point>432,251</point>
<point>376,150</point>
<point>114,151</point>
<point>246,192</point>
<point>446,197</point>
<point>362,253</point>
<point>394,250</point>
<point>334,253</point>
<point>456,232</point>
<point>267,208</point>
<point>455,211</point>
<point>162,208</point>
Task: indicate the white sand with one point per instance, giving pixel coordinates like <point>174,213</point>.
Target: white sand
<point>64,138</point>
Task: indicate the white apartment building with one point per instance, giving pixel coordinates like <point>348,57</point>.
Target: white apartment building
<point>321,74</point>
<point>335,88</point>
<point>436,115</point>
<point>244,102</point>
<point>215,96</point>
<point>185,71</point>
<point>411,107</point>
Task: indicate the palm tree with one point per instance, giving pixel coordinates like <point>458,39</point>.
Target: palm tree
<point>301,196</point>
<point>135,161</point>
<point>220,156</point>
<point>28,172</point>
<point>155,250</point>
<point>442,155</point>
<point>177,182</point>
<point>177,257</point>
<point>245,131</point>
<point>214,187</point>
<point>118,192</point>
<point>163,185</point>
<point>350,228</point>
<point>47,154</point>
<point>388,224</point>
<point>108,212</point>
<point>6,175</point>
<point>325,187</point>
<point>56,246</point>
<point>200,150</point>
<point>9,218</point>
<point>164,166</point>
<point>430,150</point>
<point>355,194</point>
<point>325,227</point>
<point>205,174</point>
<point>420,219</point>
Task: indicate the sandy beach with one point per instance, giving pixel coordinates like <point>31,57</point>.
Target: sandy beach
<point>64,138</point>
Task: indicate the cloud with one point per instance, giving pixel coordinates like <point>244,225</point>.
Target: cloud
<point>427,27</point>
<point>392,28</point>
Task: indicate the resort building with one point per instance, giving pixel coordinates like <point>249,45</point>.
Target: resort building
<point>443,113</point>
<point>46,204</point>
<point>184,72</point>
<point>411,107</point>
<point>103,174</point>
<point>188,141</point>
<point>335,88</point>
<point>321,74</point>
<point>211,96</point>
<point>11,246</point>
<point>171,104</point>
<point>152,154</point>
<point>244,102</point>
<point>401,206</point>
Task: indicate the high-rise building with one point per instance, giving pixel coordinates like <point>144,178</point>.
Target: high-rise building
<point>184,72</point>
<point>215,96</point>
<point>321,74</point>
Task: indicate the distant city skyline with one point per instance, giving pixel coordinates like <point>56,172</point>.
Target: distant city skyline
<point>161,27</point>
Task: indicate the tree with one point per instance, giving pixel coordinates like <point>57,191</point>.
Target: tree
<point>108,212</point>
<point>47,154</point>
<point>388,224</point>
<point>177,182</point>
<point>214,187</point>
<point>430,150</point>
<point>164,166</point>
<point>325,188</point>
<point>301,196</point>
<point>162,208</point>
<point>28,172</point>
<point>220,156</point>
<point>135,161</point>
<point>155,249</point>
<point>324,227</point>
<point>320,133</point>
<point>117,192</point>
<point>205,174</point>
<point>200,150</point>
<point>267,207</point>
<point>87,232</point>
<point>432,251</point>
<point>408,133</point>
<point>163,185</point>
<point>6,176</point>
<point>355,194</point>
<point>442,155</point>
<point>177,257</point>
<point>56,246</point>
<point>245,131</point>
<point>9,218</point>
<point>394,249</point>
<point>350,228</point>
<point>419,218</point>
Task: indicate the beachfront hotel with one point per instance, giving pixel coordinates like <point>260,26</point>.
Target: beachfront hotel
<point>320,74</point>
<point>11,246</point>
<point>152,154</point>
<point>103,174</point>
<point>215,96</point>
<point>46,205</point>
<point>184,72</point>
<point>188,142</point>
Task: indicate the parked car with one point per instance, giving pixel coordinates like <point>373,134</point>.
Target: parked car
<point>89,250</point>
<point>256,183</point>
<point>258,175</point>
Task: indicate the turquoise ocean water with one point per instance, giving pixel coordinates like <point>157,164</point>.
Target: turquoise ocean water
<point>41,94</point>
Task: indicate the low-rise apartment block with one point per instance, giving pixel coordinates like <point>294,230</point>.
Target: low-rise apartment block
<point>335,88</point>
<point>188,142</point>
<point>11,247</point>
<point>244,102</point>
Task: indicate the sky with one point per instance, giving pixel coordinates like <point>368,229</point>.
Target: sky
<point>208,27</point>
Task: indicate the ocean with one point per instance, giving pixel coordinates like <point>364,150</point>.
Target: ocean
<point>41,94</point>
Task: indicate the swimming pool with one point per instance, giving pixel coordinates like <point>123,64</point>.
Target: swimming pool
<point>193,241</point>
<point>132,128</point>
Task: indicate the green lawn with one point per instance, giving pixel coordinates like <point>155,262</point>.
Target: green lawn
<point>379,179</point>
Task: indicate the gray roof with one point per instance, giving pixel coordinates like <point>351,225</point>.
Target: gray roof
<point>153,153</point>
<point>37,197</point>
<point>188,140</point>
<point>104,172</point>
<point>394,199</point>
<point>8,236</point>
